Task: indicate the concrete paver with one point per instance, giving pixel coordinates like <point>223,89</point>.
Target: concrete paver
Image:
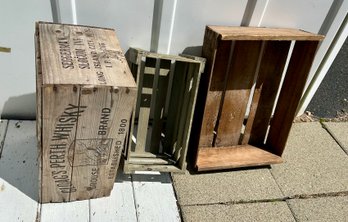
<point>222,187</point>
<point>314,163</point>
<point>320,209</point>
<point>271,211</point>
<point>340,132</point>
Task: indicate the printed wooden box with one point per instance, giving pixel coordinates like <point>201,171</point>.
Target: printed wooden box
<point>85,96</point>
<point>238,58</point>
<point>162,119</point>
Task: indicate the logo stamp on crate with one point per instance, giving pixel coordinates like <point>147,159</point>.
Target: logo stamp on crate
<point>90,152</point>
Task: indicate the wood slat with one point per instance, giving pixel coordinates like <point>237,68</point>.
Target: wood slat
<point>175,106</point>
<point>261,33</point>
<point>217,77</point>
<point>106,45</point>
<point>159,105</point>
<point>144,103</point>
<point>234,157</point>
<point>133,168</point>
<point>290,94</point>
<point>267,84</point>
<point>240,79</point>
<point>54,103</point>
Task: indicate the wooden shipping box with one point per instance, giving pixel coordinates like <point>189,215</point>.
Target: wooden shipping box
<point>239,58</point>
<point>85,96</point>
<point>162,119</point>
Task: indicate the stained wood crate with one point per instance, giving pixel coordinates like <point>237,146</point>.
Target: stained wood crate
<point>238,58</point>
<point>85,96</point>
<point>162,119</point>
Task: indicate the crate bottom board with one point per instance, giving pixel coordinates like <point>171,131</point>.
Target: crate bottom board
<point>132,168</point>
<point>217,158</point>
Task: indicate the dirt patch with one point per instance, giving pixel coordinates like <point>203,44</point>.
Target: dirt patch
<point>341,116</point>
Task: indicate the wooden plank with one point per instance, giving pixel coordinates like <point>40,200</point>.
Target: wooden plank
<point>217,74</point>
<point>258,33</point>
<point>196,70</point>
<point>3,130</point>
<point>132,168</point>
<point>158,112</point>
<point>142,160</point>
<point>97,139</point>
<point>271,68</point>
<point>57,137</point>
<point>240,78</point>
<point>38,67</point>
<point>290,94</point>
<point>119,206</point>
<point>144,107</point>
<point>234,157</point>
<point>62,54</point>
<point>162,205</point>
<point>19,172</point>
<point>175,105</point>
<point>73,211</point>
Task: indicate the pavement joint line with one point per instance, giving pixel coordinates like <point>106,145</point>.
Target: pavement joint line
<point>294,197</point>
<point>336,139</point>
<point>176,197</point>
<point>2,142</point>
<point>135,202</point>
<point>287,203</point>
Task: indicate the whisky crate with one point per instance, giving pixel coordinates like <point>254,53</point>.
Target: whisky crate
<point>237,59</point>
<point>85,96</point>
<point>162,119</point>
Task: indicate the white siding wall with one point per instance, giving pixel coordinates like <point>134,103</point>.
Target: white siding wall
<point>165,26</point>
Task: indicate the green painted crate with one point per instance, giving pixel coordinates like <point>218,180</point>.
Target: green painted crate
<point>162,118</point>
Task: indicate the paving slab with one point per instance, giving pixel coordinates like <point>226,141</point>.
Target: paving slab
<point>271,211</point>
<point>314,162</point>
<point>223,187</point>
<point>340,131</point>
<point>320,209</point>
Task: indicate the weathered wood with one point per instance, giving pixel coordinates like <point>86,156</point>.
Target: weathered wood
<point>234,157</point>
<point>162,120</point>
<point>260,33</point>
<point>251,55</point>
<point>88,94</point>
<point>217,79</point>
<point>290,94</point>
<point>162,204</point>
<point>267,84</point>
<point>239,82</point>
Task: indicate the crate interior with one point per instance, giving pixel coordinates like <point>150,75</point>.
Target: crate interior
<point>164,107</point>
<point>239,128</point>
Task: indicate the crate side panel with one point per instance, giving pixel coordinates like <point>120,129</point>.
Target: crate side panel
<point>290,94</point>
<point>82,55</point>
<point>215,92</point>
<point>175,104</point>
<point>271,68</point>
<point>59,118</point>
<point>159,106</point>
<point>240,79</point>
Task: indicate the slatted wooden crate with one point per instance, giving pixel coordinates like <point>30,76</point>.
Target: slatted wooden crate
<point>85,96</point>
<point>238,57</point>
<point>161,123</point>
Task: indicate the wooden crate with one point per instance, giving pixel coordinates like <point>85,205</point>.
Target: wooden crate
<point>85,96</point>
<point>237,58</point>
<point>162,119</point>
